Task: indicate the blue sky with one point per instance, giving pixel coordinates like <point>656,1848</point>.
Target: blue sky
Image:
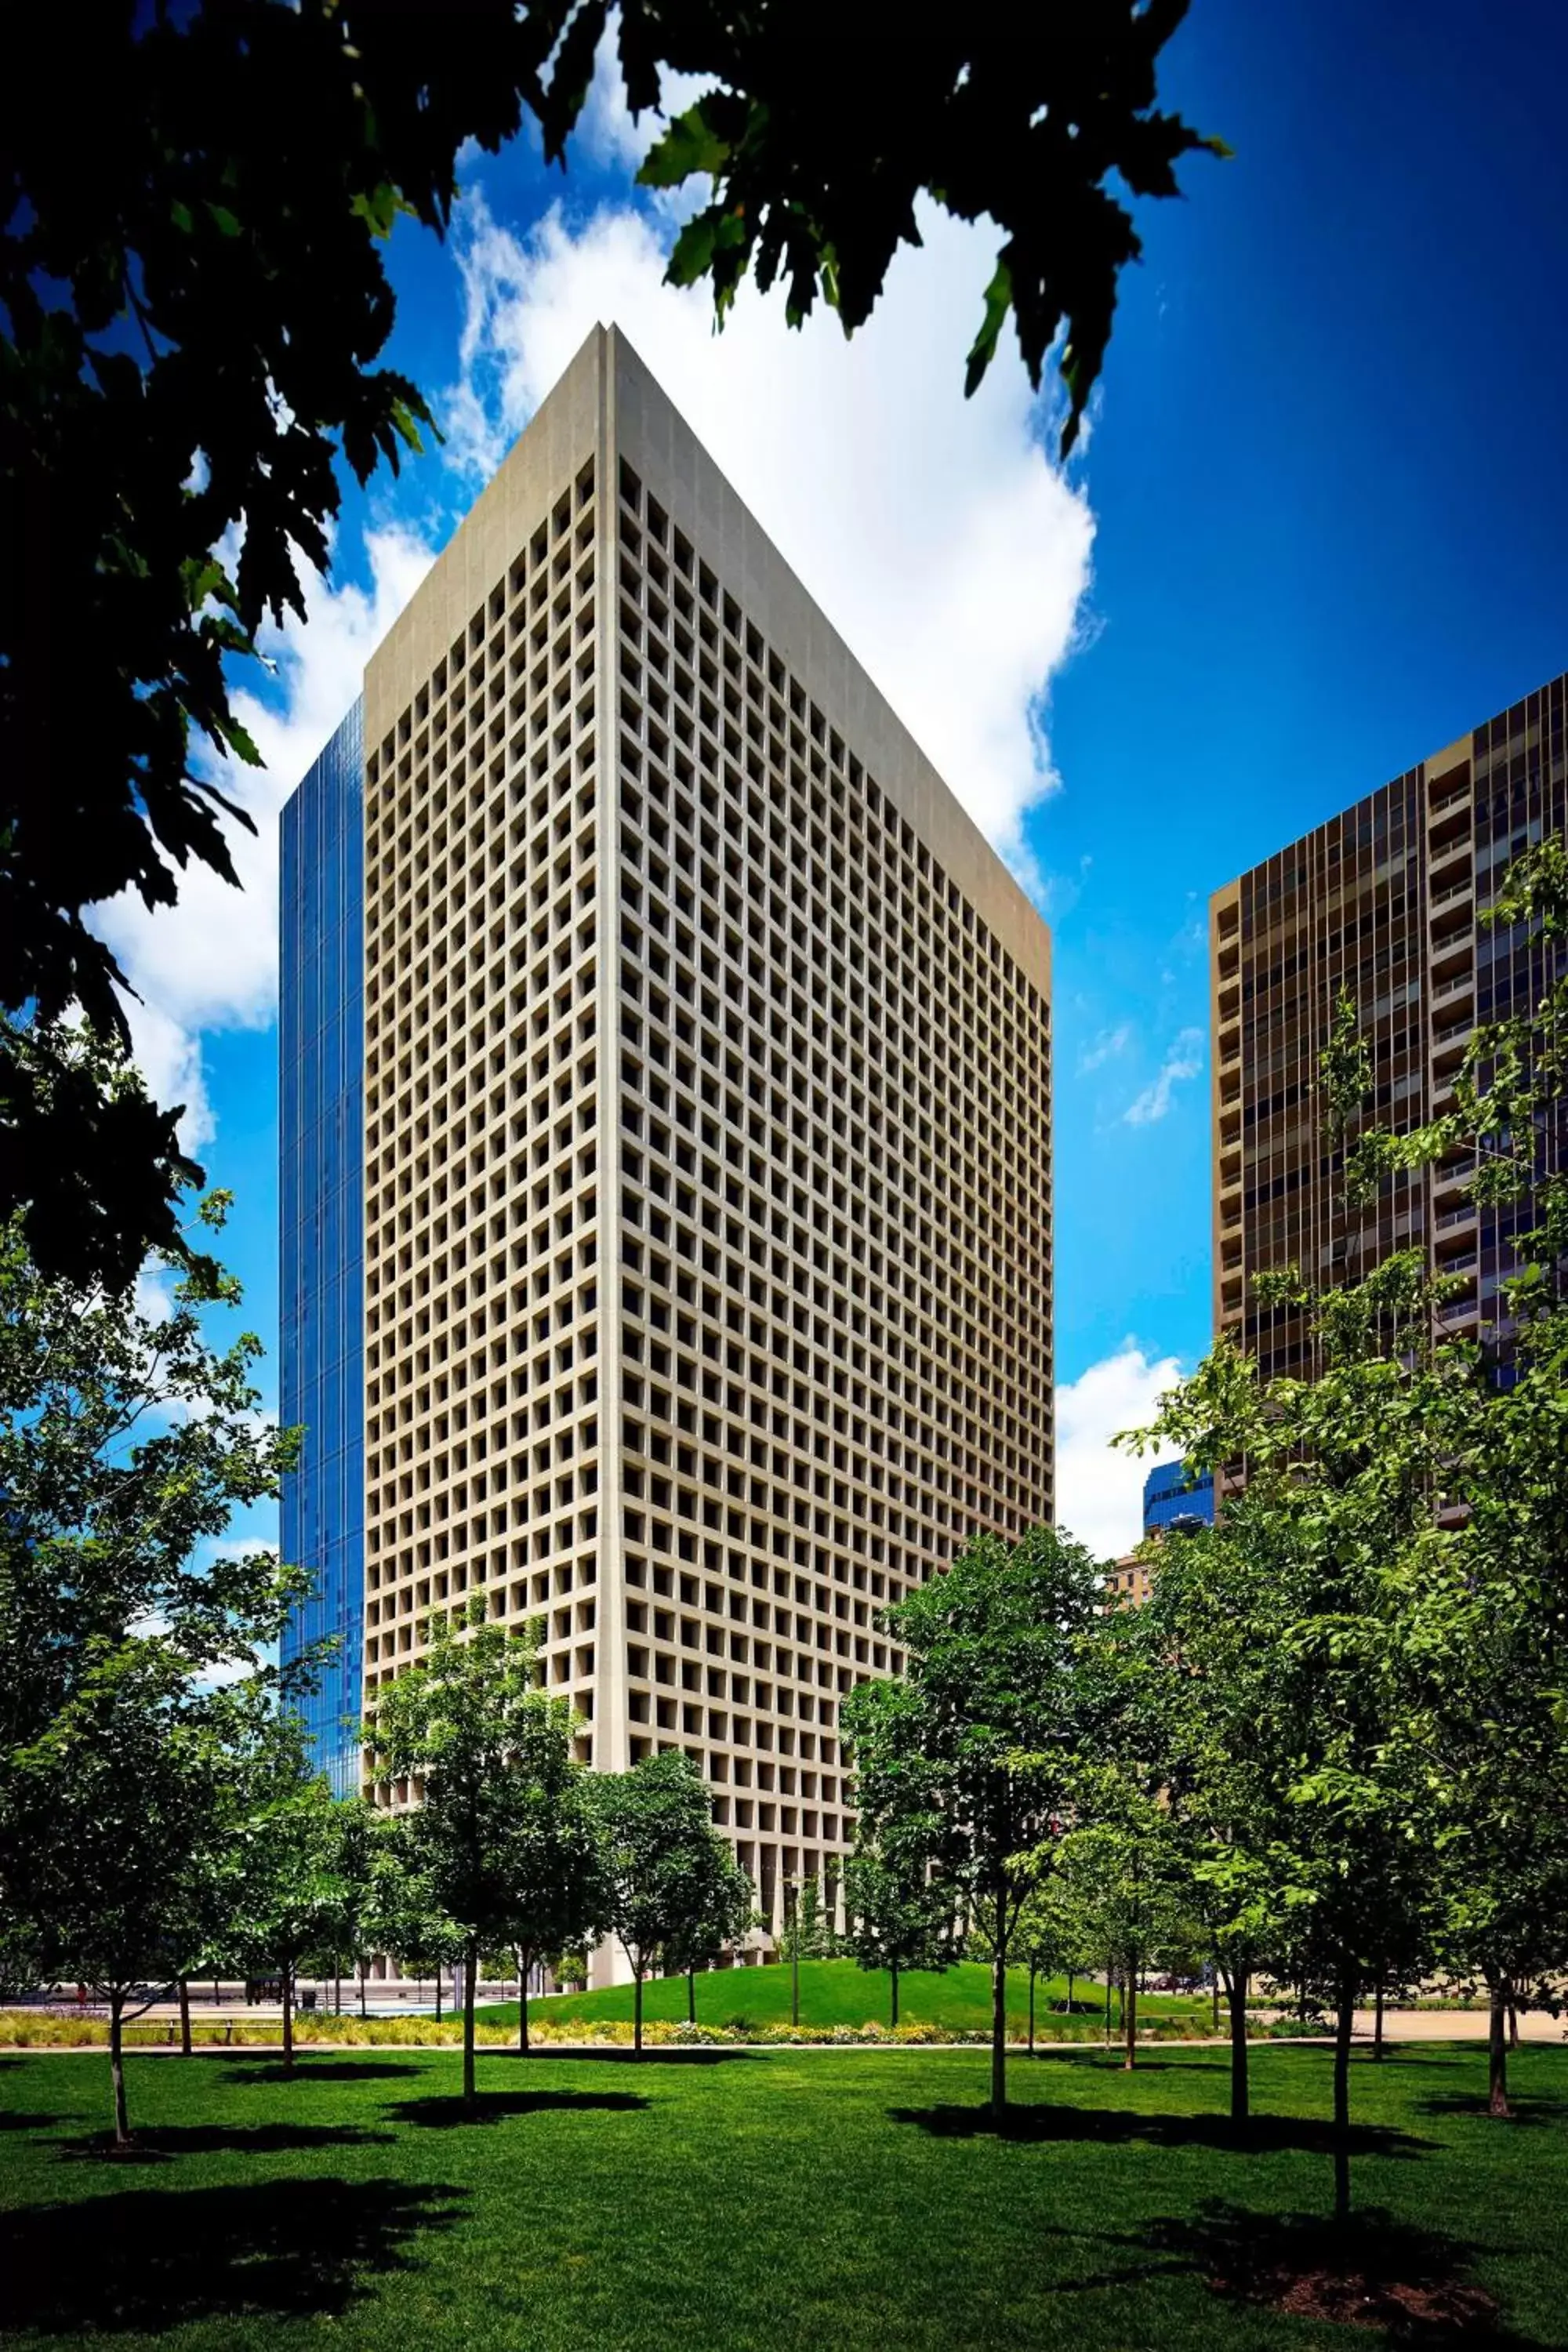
<point>1318,529</point>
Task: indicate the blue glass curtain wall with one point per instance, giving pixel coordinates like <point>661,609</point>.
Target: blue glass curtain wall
<point>320,1136</point>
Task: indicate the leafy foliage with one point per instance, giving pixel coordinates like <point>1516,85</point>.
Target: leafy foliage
<point>195,305</point>
<point>964,1768</point>
<point>496,1834</point>
<point>672,1885</point>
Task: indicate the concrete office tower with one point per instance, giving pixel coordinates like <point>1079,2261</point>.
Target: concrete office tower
<point>1386,899</point>
<point>707,1264</point>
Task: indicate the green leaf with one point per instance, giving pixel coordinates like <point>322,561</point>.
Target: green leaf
<point>224,220</point>
<point>983,351</point>
<point>690,144</point>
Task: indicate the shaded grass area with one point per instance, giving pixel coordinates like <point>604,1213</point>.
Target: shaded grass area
<point>838,1993</point>
<point>724,2201</point>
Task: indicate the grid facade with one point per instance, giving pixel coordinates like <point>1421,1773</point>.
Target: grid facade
<point>1386,899</point>
<point>707,1133</point>
<point>321,1197</point>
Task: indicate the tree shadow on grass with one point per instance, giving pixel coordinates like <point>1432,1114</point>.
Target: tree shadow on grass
<point>19,2119</point>
<point>1041,2121</point>
<point>618,2057</point>
<point>159,2143</point>
<point>327,2070</point>
<point>147,2260</point>
<point>495,2107</point>
<point>1373,2271</point>
<point>1452,2103</point>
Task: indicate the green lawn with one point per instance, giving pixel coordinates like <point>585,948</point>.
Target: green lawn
<point>837,1992</point>
<point>853,2201</point>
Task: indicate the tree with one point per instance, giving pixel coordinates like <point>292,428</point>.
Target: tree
<point>127,1441</point>
<point>966,1764</point>
<point>493,1755</point>
<point>1124,1868</point>
<point>1486,1650</point>
<point>405,1918</point>
<point>360,1836</point>
<point>899,1918</point>
<point>287,1896</point>
<point>1200,1712</point>
<point>559,1894</point>
<point>664,1864</point>
<point>715,1923</point>
<point>112,1825</point>
<point>197,307</point>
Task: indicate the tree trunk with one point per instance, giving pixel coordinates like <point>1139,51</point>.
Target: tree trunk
<point>893,2015</point>
<point>1214,2001</point>
<point>216,1994</point>
<point>1343,2020</point>
<point>117,2070</point>
<point>1377,2025</point>
<point>184,1992</point>
<point>999,2031</point>
<point>437,1992</point>
<point>1072,1979</point>
<point>1032,1975</point>
<point>470,1987</point>
<point>637,2007</point>
<point>361,2007</point>
<point>691,1996</point>
<point>1109,1983</point>
<point>338,1991</point>
<point>1513,2024</point>
<point>1235,1992</point>
<point>523,1967</point>
<point>1496,2049</point>
<point>1130,2019</point>
<point>288,2021</point>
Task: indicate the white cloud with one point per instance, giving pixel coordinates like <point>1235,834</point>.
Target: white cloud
<point>1100,1489</point>
<point>605,130</point>
<point>211,961</point>
<point>1185,1060</point>
<point>1105,1047</point>
<point>934,530</point>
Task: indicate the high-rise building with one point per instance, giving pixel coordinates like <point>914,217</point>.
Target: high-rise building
<point>1175,1497</point>
<point>1176,1501</point>
<point>1386,900</point>
<point>706,1102</point>
<point>322,1199</point>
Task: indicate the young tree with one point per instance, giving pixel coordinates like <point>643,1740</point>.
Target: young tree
<point>127,1441</point>
<point>725,1913</point>
<point>966,1764</point>
<point>560,1897</point>
<point>112,1825</point>
<point>493,1755</point>
<point>161,241</point>
<point>1124,1870</point>
<point>899,1918</point>
<point>405,1918</point>
<point>665,1865</point>
<point>288,1899</point>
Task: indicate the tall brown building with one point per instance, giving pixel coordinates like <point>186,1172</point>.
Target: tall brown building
<point>1387,900</point>
<point>706,1270</point>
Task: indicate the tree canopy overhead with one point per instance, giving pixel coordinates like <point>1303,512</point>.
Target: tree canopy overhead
<point>195,305</point>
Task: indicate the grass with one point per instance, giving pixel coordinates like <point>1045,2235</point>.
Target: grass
<point>719,2201</point>
<point>837,1993</point>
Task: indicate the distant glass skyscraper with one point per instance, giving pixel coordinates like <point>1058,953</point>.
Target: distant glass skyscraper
<point>322,1123</point>
<point>1175,1497</point>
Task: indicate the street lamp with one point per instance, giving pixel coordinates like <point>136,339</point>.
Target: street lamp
<point>792,1919</point>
